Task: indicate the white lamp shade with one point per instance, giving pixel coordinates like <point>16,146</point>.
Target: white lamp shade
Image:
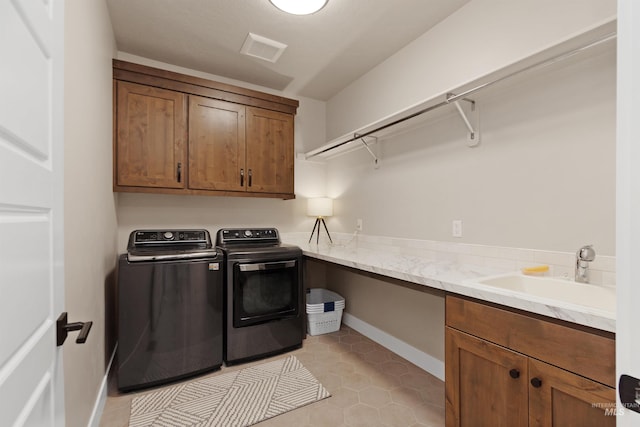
<point>320,206</point>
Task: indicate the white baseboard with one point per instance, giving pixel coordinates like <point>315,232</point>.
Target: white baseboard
<point>419,358</point>
<point>96,414</point>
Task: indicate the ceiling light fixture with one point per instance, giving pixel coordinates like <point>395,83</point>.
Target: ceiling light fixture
<point>299,7</point>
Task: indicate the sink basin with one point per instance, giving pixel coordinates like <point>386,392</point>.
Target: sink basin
<point>598,297</point>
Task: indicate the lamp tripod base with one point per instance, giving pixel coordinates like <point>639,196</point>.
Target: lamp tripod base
<point>316,229</point>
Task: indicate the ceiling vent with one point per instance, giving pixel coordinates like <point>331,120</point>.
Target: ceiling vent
<point>262,47</point>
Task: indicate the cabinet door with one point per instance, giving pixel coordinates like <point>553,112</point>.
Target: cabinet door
<point>150,136</point>
<point>216,145</point>
<point>486,385</point>
<point>270,151</point>
<point>563,399</point>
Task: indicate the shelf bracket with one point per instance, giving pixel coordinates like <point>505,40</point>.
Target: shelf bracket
<point>473,137</point>
<point>376,160</point>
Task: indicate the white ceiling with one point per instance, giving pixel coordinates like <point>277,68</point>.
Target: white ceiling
<point>326,51</point>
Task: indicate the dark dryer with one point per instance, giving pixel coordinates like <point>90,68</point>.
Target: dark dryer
<point>264,294</point>
<point>170,298</point>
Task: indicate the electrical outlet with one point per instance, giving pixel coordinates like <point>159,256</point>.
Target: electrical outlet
<point>359,224</point>
<point>456,228</point>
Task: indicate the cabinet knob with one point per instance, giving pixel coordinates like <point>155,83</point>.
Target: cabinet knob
<point>536,382</point>
<point>514,373</point>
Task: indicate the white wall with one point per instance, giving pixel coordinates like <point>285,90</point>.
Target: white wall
<point>411,313</point>
<point>543,176</point>
<point>211,212</point>
<point>481,37</point>
<point>89,203</point>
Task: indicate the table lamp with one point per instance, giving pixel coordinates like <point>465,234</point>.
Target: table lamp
<point>320,207</point>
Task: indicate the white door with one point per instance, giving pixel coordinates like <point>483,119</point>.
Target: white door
<point>31,217</point>
<point>628,203</point>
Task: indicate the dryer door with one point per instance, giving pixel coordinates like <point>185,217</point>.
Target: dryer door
<point>265,291</point>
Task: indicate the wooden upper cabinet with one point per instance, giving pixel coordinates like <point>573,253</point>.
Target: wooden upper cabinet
<point>238,148</point>
<point>181,134</point>
<point>151,133</point>
<point>270,151</point>
<point>217,146</point>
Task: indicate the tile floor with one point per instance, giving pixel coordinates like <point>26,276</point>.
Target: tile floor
<point>369,385</point>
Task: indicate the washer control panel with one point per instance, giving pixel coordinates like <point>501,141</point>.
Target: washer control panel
<point>164,237</point>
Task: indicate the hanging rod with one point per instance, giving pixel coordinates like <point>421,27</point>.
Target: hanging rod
<point>540,64</point>
<point>378,129</point>
<point>449,98</point>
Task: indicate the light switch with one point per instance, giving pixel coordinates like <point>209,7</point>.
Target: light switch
<point>456,228</point>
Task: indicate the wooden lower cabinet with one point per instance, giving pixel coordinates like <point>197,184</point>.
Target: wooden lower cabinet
<point>489,384</point>
<point>486,385</point>
<point>567,399</point>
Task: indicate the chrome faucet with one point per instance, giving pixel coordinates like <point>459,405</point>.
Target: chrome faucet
<point>584,256</point>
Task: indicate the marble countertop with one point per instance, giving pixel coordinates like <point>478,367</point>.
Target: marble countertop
<point>453,277</point>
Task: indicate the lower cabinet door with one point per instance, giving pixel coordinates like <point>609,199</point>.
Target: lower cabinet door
<point>486,385</point>
<point>562,399</point>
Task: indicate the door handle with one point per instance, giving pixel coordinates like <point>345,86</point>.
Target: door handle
<point>241,177</point>
<point>629,391</point>
<point>63,328</point>
<point>250,176</point>
<point>179,172</point>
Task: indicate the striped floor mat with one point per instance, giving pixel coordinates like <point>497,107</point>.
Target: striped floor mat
<point>239,398</point>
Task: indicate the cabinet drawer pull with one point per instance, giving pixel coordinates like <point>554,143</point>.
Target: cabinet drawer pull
<point>241,177</point>
<point>514,373</point>
<point>179,172</point>
<point>250,176</point>
<point>536,382</point>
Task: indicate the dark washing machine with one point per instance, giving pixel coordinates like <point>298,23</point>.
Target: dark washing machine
<point>170,307</point>
<point>264,294</point>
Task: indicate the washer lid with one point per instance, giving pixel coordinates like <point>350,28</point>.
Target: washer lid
<point>146,254</point>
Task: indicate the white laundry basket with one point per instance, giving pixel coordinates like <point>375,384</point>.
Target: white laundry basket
<point>324,311</point>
